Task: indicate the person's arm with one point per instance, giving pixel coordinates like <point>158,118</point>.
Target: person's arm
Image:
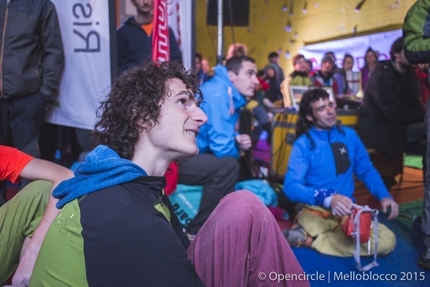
<point>175,52</point>
<point>417,42</point>
<point>39,169</point>
<point>294,183</point>
<point>220,129</point>
<point>51,50</point>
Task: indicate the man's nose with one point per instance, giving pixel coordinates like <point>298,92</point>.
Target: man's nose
<point>199,116</point>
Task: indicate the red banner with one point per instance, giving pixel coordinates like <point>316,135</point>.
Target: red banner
<point>160,32</point>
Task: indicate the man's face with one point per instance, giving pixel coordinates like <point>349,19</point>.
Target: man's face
<point>205,66</point>
<point>143,6</point>
<point>323,114</point>
<point>198,65</point>
<point>348,63</point>
<point>300,65</point>
<point>274,60</point>
<point>174,135</point>
<point>326,67</point>
<point>401,59</point>
<point>246,79</point>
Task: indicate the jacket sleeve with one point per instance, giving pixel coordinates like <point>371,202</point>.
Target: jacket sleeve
<point>294,183</point>
<point>220,131</point>
<point>52,50</point>
<point>384,93</point>
<point>366,172</point>
<point>175,52</point>
<point>416,32</point>
<point>121,47</point>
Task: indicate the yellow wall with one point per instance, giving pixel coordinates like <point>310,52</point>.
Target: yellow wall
<point>325,20</point>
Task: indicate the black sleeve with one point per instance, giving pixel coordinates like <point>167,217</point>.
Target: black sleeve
<point>52,50</point>
<point>175,52</point>
<point>138,249</point>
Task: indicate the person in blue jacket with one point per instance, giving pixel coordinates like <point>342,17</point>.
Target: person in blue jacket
<point>216,167</point>
<point>323,161</point>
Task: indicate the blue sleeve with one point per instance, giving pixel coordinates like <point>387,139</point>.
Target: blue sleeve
<point>220,127</point>
<point>294,183</point>
<point>366,172</point>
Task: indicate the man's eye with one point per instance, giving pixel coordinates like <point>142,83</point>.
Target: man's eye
<point>183,101</point>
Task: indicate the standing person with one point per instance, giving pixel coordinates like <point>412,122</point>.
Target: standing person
<point>370,60</point>
<point>340,75</point>
<point>201,75</point>
<point>134,37</point>
<point>324,77</point>
<point>390,107</point>
<point>417,51</point>
<point>273,58</point>
<point>150,119</point>
<point>324,159</point>
<point>32,60</point>
<point>299,77</point>
<point>27,214</point>
<point>216,167</point>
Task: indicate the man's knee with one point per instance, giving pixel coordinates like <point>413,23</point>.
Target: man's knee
<point>243,203</point>
<point>386,240</point>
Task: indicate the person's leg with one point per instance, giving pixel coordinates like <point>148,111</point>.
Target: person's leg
<point>19,217</point>
<point>241,244</point>
<point>218,177</point>
<point>26,120</point>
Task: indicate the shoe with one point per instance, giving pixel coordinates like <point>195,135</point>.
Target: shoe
<point>297,237</point>
<point>424,261</point>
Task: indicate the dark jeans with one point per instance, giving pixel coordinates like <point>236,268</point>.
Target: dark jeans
<point>218,177</point>
<point>21,120</point>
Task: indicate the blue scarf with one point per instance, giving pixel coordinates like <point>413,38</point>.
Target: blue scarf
<point>102,168</point>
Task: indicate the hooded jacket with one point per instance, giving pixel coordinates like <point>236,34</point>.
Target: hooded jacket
<point>135,46</point>
<point>222,104</point>
<point>31,48</point>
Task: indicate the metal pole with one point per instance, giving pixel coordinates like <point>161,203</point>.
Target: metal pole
<point>220,56</point>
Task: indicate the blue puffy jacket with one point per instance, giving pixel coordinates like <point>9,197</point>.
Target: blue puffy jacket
<point>222,104</point>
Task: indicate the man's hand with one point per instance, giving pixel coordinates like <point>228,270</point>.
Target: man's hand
<point>244,141</point>
<point>388,202</point>
<point>26,265</point>
<point>341,205</point>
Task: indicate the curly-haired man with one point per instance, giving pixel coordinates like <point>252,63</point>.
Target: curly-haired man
<point>116,227</point>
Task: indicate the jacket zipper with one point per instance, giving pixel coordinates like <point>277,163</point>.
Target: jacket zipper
<point>2,47</point>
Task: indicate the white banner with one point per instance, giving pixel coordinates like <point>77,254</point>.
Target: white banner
<point>86,78</point>
<point>356,46</point>
<point>180,22</point>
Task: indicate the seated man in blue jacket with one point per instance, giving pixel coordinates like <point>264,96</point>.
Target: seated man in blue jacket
<point>322,163</point>
<point>216,167</point>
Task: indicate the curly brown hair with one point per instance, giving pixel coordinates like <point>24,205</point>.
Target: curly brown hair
<point>135,100</point>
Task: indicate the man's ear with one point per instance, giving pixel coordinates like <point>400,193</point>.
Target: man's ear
<point>309,117</point>
<point>231,75</point>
